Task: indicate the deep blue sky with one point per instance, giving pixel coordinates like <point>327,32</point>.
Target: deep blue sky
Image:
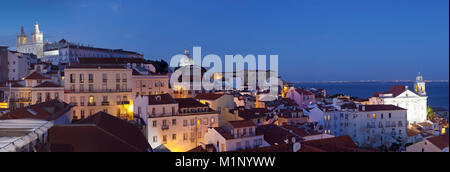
<point>326,40</point>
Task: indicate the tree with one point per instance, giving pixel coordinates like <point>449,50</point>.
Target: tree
<point>430,113</point>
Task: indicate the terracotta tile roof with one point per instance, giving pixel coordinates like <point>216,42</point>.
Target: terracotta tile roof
<point>274,134</point>
<point>208,148</point>
<point>337,144</point>
<point>440,141</point>
<point>348,106</point>
<point>161,99</point>
<point>255,113</point>
<point>369,108</point>
<point>412,132</point>
<point>189,103</point>
<point>36,76</point>
<point>395,90</point>
<point>122,130</point>
<point>95,66</point>
<point>208,96</point>
<point>87,138</point>
<point>242,123</point>
<point>48,111</point>
<point>304,92</point>
<point>94,60</point>
<point>425,124</point>
<point>48,84</point>
<point>224,133</point>
<point>301,131</point>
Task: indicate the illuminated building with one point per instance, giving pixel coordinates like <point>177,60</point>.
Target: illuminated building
<point>368,125</point>
<point>95,88</point>
<point>178,124</point>
<point>402,97</point>
<point>35,45</point>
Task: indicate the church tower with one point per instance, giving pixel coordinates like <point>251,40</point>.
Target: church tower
<point>37,36</point>
<point>22,38</point>
<point>419,86</point>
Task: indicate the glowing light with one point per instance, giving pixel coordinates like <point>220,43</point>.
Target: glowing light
<point>3,105</point>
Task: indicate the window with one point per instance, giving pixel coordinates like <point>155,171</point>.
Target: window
<point>155,139</point>
<point>91,78</point>
<point>174,122</point>
<point>185,136</point>
<point>81,78</point>
<point>164,139</point>
<point>72,78</point>
<point>174,136</point>
<point>91,99</point>
<point>374,116</point>
<point>81,88</point>
<point>124,77</point>
<point>390,115</point>
<point>155,124</point>
<point>185,123</point>
<point>91,87</point>
<point>117,77</point>
<point>105,77</point>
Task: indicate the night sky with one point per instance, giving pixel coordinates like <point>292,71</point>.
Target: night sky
<point>326,40</point>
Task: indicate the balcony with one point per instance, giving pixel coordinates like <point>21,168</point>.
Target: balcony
<point>117,80</point>
<point>92,104</point>
<point>123,102</point>
<point>21,100</point>
<point>99,91</point>
<point>165,127</point>
<point>105,103</point>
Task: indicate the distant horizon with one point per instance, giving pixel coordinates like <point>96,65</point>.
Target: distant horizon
<point>368,81</point>
<point>315,40</point>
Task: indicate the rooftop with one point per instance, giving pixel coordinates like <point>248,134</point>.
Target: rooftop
<point>15,134</point>
<point>242,123</point>
<point>98,133</point>
<point>208,96</point>
<point>47,111</point>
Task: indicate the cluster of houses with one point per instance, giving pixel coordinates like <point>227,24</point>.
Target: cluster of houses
<point>126,104</point>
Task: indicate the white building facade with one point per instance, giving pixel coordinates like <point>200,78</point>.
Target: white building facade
<point>368,125</point>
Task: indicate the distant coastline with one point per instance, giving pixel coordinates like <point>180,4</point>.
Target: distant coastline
<point>367,81</point>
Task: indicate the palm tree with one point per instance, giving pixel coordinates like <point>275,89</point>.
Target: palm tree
<point>430,113</point>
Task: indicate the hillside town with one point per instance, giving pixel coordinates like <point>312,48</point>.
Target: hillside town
<point>68,97</point>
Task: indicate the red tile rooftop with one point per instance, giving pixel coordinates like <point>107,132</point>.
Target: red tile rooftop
<point>86,66</point>
<point>48,111</point>
<point>36,76</point>
<point>189,103</point>
<point>161,99</point>
<point>242,123</point>
<point>208,96</point>
<point>440,141</point>
<point>98,133</point>
<point>48,84</point>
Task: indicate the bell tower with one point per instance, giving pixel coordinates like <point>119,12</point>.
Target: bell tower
<point>419,86</point>
<point>37,36</point>
<point>22,38</point>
